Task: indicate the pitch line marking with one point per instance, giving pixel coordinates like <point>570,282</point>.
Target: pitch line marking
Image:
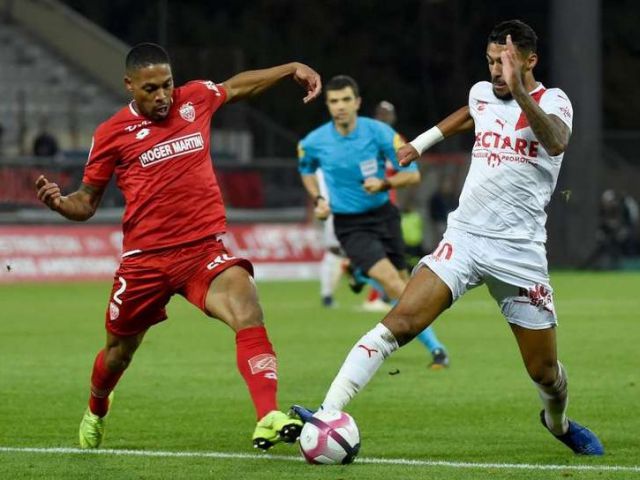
<point>290,458</point>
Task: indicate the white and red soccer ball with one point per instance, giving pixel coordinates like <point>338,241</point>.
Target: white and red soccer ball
<point>330,437</point>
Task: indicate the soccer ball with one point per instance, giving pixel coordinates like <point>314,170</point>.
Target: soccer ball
<point>330,437</point>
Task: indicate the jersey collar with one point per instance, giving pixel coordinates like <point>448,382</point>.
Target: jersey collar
<point>352,134</point>
<point>537,89</point>
<point>135,113</point>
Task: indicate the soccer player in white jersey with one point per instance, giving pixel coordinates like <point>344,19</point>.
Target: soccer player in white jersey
<point>497,234</point>
<point>331,263</point>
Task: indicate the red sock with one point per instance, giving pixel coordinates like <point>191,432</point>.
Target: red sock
<point>103,381</point>
<point>257,364</point>
<point>373,295</point>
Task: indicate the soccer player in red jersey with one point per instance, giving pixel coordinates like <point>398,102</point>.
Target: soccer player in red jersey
<point>158,148</point>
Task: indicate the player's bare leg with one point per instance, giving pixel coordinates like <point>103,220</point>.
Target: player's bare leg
<point>394,282</point>
<point>424,298</point>
<point>109,365</point>
<point>539,353</point>
<point>387,275</point>
<point>233,298</point>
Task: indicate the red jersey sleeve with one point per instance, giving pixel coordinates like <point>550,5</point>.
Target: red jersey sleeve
<point>102,158</point>
<point>214,93</point>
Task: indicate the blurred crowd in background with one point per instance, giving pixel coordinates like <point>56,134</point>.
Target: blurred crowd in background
<point>421,56</point>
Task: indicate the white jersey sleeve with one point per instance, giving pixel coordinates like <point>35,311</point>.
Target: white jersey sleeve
<point>477,105</point>
<point>556,102</point>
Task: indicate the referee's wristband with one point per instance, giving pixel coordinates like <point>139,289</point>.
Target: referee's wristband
<point>317,199</point>
<point>386,185</point>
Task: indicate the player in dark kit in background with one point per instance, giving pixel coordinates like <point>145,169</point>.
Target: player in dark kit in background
<point>158,147</point>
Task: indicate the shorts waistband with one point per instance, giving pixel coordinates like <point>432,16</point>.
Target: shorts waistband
<point>216,237</point>
<point>384,208</point>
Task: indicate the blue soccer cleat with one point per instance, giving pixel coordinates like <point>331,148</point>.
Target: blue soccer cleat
<point>303,413</point>
<point>578,438</point>
<point>440,359</point>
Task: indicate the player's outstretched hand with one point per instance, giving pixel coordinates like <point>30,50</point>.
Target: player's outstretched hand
<point>322,209</point>
<point>511,66</point>
<point>407,154</point>
<point>48,192</point>
<point>310,81</point>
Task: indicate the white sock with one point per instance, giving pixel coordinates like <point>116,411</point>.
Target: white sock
<point>555,399</point>
<point>329,265</point>
<point>361,364</point>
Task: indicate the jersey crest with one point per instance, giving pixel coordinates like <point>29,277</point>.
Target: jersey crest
<point>187,112</point>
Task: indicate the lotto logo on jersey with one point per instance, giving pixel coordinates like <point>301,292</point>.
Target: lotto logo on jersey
<point>143,133</point>
<point>172,148</point>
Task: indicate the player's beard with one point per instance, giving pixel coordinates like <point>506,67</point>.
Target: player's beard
<point>504,96</point>
<point>506,93</point>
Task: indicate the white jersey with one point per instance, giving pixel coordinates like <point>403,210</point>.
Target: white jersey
<point>512,176</point>
<point>330,239</point>
<point>322,184</point>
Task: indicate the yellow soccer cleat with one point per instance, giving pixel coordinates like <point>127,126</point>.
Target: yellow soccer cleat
<point>92,428</point>
<point>274,427</point>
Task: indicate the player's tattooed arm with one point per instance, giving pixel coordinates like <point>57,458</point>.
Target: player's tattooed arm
<point>254,82</point>
<point>79,205</point>
<point>552,133</point>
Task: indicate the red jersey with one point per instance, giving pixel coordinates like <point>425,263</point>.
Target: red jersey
<point>163,169</point>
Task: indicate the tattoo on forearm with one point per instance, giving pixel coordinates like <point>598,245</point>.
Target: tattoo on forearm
<point>551,133</point>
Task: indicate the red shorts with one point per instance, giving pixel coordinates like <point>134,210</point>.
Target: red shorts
<point>144,283</point>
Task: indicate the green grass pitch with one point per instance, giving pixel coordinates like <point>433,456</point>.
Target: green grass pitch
<point>183,393</point>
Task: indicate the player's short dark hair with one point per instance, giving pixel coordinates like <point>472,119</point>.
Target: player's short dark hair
<point>522,35</point>
<point>342,81</point>
<point>144,55</point>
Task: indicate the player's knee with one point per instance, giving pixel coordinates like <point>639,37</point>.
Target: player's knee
<point>118,359</point>
<point>247,315</point>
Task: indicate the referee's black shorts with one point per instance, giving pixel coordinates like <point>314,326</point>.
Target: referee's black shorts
<point>371,236</point>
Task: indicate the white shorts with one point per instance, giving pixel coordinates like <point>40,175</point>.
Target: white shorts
<point>515,272</point>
